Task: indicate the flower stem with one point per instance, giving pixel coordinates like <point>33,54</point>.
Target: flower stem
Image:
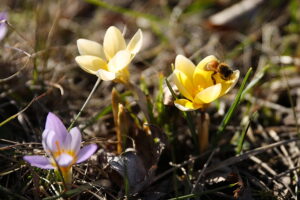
<point>85,103</point>
<point>189,119</point>
<point>203,131</point>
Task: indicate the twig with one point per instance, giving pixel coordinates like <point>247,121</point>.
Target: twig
<point>18,33</point>
<point>286,172</point>
<point>12,194</point>
<point>178,166</point>
<point>16,73</point>
<point>16,145</point>
<point>287,157</point>
<point>203,170</point>
<point>271,171</point>
<point>240,158</point>
<point>28,105</point>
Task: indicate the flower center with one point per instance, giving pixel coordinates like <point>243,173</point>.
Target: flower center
<point>63,157</point>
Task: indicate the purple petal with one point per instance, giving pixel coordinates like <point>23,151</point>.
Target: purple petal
<point>3,26</point>
<point>44,138</point>
<point>67,142</point>
<point>39,161</point>
<point>3,15</point>
<point>52,142</point>
<point>76,140</point>
<point>64,160</point>
<point>86,152</point>
<point>53,123</point>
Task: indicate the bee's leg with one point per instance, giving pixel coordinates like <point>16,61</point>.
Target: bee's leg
<point>213,78</point>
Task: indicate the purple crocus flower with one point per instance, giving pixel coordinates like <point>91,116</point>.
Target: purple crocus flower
<point>62,148</point>
<point>3,26</point>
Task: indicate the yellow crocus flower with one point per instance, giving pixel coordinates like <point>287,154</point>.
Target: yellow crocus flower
<point>111,61</point>
<point>201,84</point>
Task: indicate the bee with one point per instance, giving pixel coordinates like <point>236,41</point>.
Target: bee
<point>224,70</point>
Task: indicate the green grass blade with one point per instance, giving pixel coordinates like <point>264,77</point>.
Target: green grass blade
<point>171,90</point>
<point>232,108</point>
<point>243,134</point>
<point>255,80</point>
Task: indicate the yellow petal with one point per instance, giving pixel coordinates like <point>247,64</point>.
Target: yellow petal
<point>135,43</point>
<point>228,85</point>
<point>88,47</point>
<point>186,105</point>
<point>184,65</point>
<point>209,94</point>
<point>184,85</point>
<point>206,60</point>
<point>91,64</point>
<point>123,75</point>
<point>106,75</point>
<point>202,79</point>
<point>119,61</point>
<point>113,42</point>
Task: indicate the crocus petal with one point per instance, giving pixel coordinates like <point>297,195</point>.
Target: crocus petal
<point>206,60</point>
<point>3,26</point>
<point>39,161</point>
<point>44,138</point>
<point>202,79</point>
<point>106,75</point>
<point>184,85</point>
<point>184,65</point>
<point>76,140</point>
<point>135,43</point>
<point>64,160</point>
<point>53,123</point>
<point>119,61</point>
<point>228,85</point>
<point>91,64</point>
<point>66,144</point>
<point>209,94</point>
<point>186,105</point>
<point>3,15</point>
<point>53,142</point>
<point>86,152</point>
<point>113,42</point>
<point>89,47</point>
<point>123,75</point>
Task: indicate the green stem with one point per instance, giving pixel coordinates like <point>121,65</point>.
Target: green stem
<point>232,108</point>
<point>242,137</point>
<point>85,103</point>
<point>187,116</point>
<point>171,90</point>
<point>191,126</point>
